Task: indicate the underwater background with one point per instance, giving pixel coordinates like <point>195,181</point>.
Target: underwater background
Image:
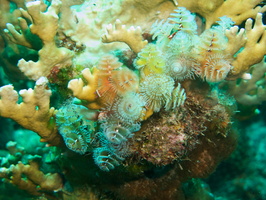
<point>129,99</point>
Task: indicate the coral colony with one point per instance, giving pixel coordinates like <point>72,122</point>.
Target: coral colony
<point>136,92</point>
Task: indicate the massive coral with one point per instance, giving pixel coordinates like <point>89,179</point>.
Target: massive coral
<point>134,88</point>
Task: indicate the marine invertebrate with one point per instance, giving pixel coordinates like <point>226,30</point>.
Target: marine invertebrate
<point>255,39</point>
<point>86,92</point>
<point>129,109</point>
<point>157,90</point>
<point>150,60</point>
<point>108,63</point>
<point>181,43</point>
<point>105,89</point>
<point>114,81</point>
<point>124,80</point>
<point>215,63</point>
<point>76,127</point>
<point>178,98</point>
<point>113,125</point>
<point>211,11</point>
<point>108,80</point>
<point>249,90</point>
<point>180,67</point>
<point>116,133</point>
<point>173,145</point>
<point>105,158</point>
<point>183,20</point>
<point>179,21</point>
<point>215,68</point>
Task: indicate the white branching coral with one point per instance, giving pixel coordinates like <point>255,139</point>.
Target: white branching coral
<point>132,36</point>
<point>250,90</point>
<point>44,25</point>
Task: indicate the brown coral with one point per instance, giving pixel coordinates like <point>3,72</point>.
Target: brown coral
<point>30,178</point>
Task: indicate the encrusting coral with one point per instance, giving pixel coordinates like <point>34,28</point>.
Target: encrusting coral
<point>143,113</point>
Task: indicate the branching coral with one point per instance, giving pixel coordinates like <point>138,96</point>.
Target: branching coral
<point>8,17</point>
<point>250,91</point>
<point>254,46</point>
<point>238,11</point>
<point>33,112</point>
<point>44,25</point>
<point>35,181</point>
<point>132,36</point>
<point>16,37</point>
<point>87,92</point>
<point>148,119</point>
